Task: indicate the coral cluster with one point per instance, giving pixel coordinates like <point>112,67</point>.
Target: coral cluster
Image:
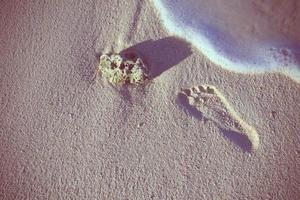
<point>120,70</point>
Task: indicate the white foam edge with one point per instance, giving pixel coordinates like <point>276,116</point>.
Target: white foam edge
<point>207,48</point>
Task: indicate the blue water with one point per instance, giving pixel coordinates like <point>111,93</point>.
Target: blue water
<point>222,35</point>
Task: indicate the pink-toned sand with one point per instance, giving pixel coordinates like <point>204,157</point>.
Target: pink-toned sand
<point>65,133</point>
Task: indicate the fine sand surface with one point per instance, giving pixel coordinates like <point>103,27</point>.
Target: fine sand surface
<point>65,133</point>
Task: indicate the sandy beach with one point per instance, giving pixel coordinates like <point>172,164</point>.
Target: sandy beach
<point>66,133</point>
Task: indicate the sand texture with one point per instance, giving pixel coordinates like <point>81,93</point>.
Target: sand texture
<point>66,133</point>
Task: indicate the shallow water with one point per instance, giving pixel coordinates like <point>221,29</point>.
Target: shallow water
<point>244,36</point>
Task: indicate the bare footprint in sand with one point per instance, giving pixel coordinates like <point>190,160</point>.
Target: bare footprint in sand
<point>214,106</point>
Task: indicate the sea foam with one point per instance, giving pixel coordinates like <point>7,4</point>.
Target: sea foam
<point>232,35</point>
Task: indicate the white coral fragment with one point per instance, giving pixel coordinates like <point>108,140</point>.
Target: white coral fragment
<point>120,70</point>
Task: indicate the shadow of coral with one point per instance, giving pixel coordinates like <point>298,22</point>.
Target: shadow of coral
<point>160,55</point>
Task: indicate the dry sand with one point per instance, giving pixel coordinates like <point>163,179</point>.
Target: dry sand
<point>66,134</point>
